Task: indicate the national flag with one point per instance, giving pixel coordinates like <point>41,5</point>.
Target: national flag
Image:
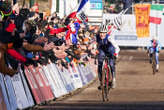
<point>80,18</point>
<point>156,12</point>
<point>116,22</point>
<point>83,2</point>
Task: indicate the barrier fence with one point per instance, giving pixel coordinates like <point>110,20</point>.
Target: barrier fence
<point>36,85</point>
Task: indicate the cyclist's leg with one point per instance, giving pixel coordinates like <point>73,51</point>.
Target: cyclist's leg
<point>112,66</point>
<point>111,51</point>
<point>100,64</point>
<point>151,50</point>
<point>157,60</point>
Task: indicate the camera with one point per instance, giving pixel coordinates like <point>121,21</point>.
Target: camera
<point>57,41</point>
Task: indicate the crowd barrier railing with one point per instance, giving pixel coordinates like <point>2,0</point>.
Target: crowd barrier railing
<point>36,85</point>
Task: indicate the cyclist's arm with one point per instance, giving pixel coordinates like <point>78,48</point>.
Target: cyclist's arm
<point>159,46</point>
<point>117,49</point>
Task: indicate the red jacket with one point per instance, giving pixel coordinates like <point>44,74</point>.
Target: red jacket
<point>10,27</point>
<point>16,55</point>
<point>58,30</point>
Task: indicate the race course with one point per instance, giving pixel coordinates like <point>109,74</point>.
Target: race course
<point>137,88</point>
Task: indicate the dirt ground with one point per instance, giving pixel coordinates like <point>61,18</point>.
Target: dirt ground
<point>137,88</point>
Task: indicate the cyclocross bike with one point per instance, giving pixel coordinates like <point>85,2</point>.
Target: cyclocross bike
<point>106,79</point>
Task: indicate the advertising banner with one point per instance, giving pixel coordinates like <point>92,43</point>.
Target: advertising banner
<point>82,75</point>
<point>66,78</point>
<point>46,90</point>
<point>21,98</point>
<point>4,92</point>
<point>127,36</point>
<point>33,85</point>
<point>142,12</point>
<point>27,89</point>
<point>55,74</point>
<point>10,92</point>
<point>51,81</point>
<point>39,83</point>
<point>96,4</point>
<point>75,76</point>
<point>2,101</point>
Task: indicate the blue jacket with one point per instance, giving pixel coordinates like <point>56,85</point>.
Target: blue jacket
<point>157,47</point>
<point>104,44</point>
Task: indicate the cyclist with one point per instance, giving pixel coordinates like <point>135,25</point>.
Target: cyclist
<point>154,46</point>
<point>106,46</point>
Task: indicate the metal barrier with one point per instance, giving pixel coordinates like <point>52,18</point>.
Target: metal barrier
<point>36,85</point>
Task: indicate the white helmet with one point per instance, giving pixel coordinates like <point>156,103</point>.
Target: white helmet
<point>103,28</point>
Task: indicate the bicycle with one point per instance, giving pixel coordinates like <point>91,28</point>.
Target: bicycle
<point>106,79</point>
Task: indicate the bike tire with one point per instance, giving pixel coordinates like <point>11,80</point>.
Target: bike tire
<point>105,84</point>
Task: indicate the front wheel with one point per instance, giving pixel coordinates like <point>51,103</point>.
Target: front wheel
<point>105,84</point>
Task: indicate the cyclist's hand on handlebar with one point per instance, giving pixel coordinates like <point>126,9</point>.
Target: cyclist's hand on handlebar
<point>116,55</point>
<point>97,52</point>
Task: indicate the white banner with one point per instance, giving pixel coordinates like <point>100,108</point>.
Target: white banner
<point>127,35</point>
<point>57,78</point>
<point>52,82</point>
<point>10,93</point>
<point>4,91</point>
<point>76,77</point>
<point>21,98</point>
<point>66,78</point>
<point>27,90</point>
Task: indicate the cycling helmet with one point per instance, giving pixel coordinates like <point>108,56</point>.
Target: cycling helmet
<point>103,28</point>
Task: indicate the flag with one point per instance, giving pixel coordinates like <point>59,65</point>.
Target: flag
<point>156,12</point>
<point>83,2</point>
<point>116,22</point>
<point>80,18</point>
<point>142,19</point>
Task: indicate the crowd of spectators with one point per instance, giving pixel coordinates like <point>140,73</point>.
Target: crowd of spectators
<point>29,37</point>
